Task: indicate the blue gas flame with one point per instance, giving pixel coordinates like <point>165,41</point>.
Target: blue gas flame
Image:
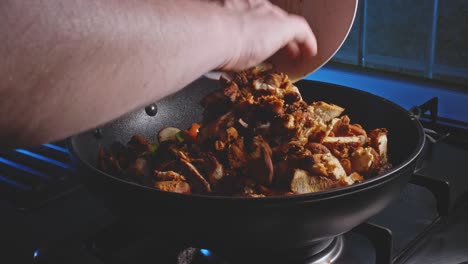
<point>205,252</point>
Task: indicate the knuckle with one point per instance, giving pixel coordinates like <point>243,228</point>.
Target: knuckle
<point>300,20</point>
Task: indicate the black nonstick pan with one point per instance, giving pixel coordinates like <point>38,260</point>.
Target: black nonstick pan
<point>273,223</point>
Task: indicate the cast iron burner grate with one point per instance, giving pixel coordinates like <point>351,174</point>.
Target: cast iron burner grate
<point>30,178</point>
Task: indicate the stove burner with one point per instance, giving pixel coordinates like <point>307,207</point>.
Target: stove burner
<point>329,254</point>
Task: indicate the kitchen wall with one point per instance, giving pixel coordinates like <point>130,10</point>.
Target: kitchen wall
<point>425,38</point>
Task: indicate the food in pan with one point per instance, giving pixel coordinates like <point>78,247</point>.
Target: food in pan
<point>257,138</point>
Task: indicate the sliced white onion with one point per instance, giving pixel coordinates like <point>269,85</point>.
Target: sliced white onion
<point>168,133</point>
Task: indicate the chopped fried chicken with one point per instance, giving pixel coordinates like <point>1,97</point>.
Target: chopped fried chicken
<point>173,186</point>
<point>365,160</point>
<point>303,182</point>
<point>379,141</point>
<point>324,111</point>
<point>257,138</point>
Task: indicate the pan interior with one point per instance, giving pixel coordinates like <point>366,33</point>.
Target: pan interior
<point>182,109</point>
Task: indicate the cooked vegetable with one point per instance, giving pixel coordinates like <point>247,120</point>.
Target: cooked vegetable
<point>153,148</point>
<point>257,138</point>
<point>193,131</point>
<point>180,136</point>
<point>168,134</point>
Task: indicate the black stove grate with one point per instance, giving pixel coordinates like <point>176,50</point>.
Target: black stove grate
<point>31,177</point>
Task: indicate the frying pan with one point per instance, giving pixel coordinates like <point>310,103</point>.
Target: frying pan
<point>278,223</point>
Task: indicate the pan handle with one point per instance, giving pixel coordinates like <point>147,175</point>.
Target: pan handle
<point>431,106</point>
<point>438,187</point>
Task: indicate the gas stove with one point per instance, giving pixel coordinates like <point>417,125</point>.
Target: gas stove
<point>48,216</point>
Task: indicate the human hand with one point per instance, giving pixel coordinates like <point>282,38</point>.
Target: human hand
<point>263,31</point>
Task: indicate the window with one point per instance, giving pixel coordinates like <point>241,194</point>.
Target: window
<point>425,38</point>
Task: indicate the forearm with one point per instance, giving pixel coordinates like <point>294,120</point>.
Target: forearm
<point>71,65</point>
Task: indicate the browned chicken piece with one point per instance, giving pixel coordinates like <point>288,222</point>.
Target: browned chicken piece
<point>232,134</point>
<point>216,173</point>
<point>279,85</point>
<point>272,192</point>
<point>341,147</point>
<point>317,148</point>
<point>139,144</point>
<point>306,127</point>
<point>357,130</point>
<point>356,177</point>
<point>254,195</point>
<point>350,141</point>
<point>288,121</point>
<point>269,105</point>
<point>197,182</point>
<point>314,123</point>
<point>303,182</point>
<point>249,188</point>
<point>291,94</point>
<point>216,128</point>
<point>168,176</point>
<point>272,81</point>
<point>325,111</point>
<point>346,163</point>
<point>365,160</point>
<point>316,132</point>
<point>289,151</point>
<point>328,165</point>
<point>261,86</point>
<point>231,90</point>
<point>260,165</point>
<point>298,157</point>
<point>166,166</point>
<point>343,128</point>
<point>277,80</point>
<point>241,79</point>
<point>219,145</point>
<point>108,162</point>
<point>173,186</point>
<point>210,167</point>
<point>330,126</point>
<point>379,141</point>
<point>237,156</point>
<point>139,168</point>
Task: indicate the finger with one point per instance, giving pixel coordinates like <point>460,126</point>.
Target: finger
<point>292,50</point>
<point>243,5</point>
<point>304,36</point>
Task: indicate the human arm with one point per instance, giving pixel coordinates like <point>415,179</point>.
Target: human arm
<point>70,65</point>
